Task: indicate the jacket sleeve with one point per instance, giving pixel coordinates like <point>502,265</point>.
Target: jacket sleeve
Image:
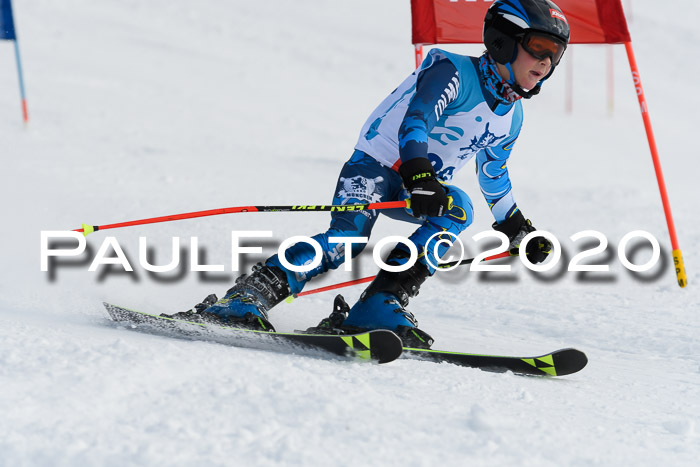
<point>436,87</point>
<point>494,180</point>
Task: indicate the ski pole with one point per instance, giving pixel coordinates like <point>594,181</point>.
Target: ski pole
<point>88,229</point>
<point>451,264</point>
<point>681,276</point>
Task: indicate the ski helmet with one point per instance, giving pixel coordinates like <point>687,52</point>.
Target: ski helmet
<point>539,26</point>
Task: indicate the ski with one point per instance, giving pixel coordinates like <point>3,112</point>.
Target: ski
<point>380,346</point>
<point>558,363</point>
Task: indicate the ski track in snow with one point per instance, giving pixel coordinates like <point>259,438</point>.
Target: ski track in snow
<point>141,109</point>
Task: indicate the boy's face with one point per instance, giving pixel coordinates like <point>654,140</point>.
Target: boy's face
<point>529,70</point>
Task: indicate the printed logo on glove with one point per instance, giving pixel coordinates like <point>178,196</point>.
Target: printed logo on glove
<point>428,196</point>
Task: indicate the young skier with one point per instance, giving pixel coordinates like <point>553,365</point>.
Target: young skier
<point>450,110</point>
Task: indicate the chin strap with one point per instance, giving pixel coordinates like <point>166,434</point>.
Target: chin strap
<point>526,94</point>
<point>520,91</point>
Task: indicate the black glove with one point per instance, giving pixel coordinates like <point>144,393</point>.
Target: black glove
<point>428,197</point>
<point>516,227</point>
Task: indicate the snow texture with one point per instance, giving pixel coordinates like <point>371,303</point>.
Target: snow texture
<point>143,109</point>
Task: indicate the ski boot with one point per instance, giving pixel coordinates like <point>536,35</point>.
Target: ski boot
<point>245,305</point>
<point>382,306</point>
<point>384,311</point>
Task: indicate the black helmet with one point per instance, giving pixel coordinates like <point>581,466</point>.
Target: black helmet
<point>538,25</point>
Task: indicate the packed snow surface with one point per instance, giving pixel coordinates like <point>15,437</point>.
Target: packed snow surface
<point>144,109</point>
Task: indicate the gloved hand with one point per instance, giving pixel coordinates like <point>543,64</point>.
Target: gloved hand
<point>516,227</point>
<point>428,197</point>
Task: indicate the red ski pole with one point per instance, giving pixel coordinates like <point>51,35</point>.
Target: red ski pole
<point>88,229</point>
<point>681,276</point>
<point>505,254</point>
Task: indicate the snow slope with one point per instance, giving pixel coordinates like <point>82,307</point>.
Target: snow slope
<point>141,109</point>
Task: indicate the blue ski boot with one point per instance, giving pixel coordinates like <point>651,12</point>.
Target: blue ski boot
<point>246,304</point>
<point>382,306</point>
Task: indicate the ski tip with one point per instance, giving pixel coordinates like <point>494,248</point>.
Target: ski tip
<point>558,363</point>
<point>568,361</point>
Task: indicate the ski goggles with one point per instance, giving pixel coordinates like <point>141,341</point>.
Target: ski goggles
<point>541,46</point>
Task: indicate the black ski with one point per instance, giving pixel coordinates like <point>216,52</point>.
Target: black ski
<point>380,346</point>
<point>558,363</point>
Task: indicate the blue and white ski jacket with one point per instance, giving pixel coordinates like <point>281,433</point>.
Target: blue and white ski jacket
<point>444,113</point>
